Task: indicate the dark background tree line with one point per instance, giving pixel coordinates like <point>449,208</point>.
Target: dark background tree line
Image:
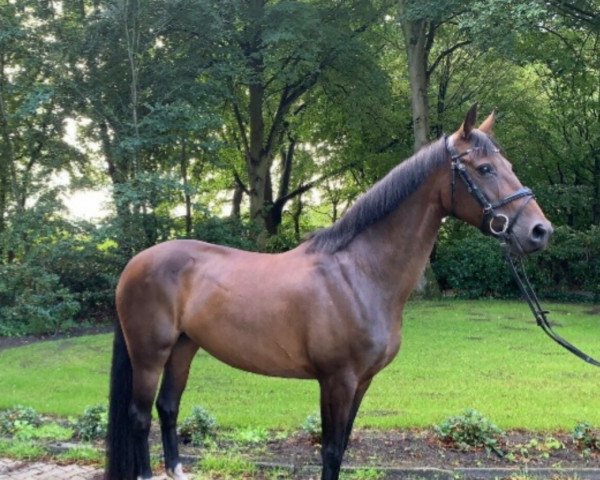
<point>253,122</point>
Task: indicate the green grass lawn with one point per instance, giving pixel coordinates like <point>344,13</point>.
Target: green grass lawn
<point>485,354</point>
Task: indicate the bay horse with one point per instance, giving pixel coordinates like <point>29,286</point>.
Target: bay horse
<point>328,310</point>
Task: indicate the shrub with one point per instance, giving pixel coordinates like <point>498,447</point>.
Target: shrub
<point>227,231</point>
<point>17,417</point>
<point>472,266</point>
<point>92,425</point>
<point>312,426</point>
<point>586,437</point>
<point>32,301</point>
<point>471,429</point>
<point>198,427</point>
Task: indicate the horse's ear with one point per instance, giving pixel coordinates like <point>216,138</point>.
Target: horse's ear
<point>488,124</point>
<point>465,130</point>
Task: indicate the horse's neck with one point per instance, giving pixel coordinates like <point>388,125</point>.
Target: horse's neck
<point>396,249</point>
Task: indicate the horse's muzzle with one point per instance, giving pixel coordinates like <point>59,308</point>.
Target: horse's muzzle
<point>538,237</point>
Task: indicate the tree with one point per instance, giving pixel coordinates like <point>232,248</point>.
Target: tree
<point>271,57</point>
<point>148,111</point>
<point>31,115</point>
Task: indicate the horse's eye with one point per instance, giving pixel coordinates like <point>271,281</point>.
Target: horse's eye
<point>485,169</point>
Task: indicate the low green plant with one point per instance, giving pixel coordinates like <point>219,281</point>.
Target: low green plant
<point>230,465</point>
<point>278,474</point>
<point>92,425</point>
<point>585,437</point>
<point>81,454</point>
<point>198,427</point>
<point>312,426</point>
<point>468,430</point>
<point>250,435</point>
<point>47,431</point>
<point>21,450</point>
<point>18,417</point>
<point>535,448</point>
<point>363,474</point>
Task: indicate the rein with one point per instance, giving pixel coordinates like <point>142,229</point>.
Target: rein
<point>504,234</point>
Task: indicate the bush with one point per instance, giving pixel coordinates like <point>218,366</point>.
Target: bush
<point>570,268</point>
<point>586,437</point>
<point>11,419</point>
<point>88,266</point>
<point>227,231</point>
<point>32,301</point>
<point>472,265</point>
<point>198,427</point>
<point>312,426</point>
<point>92,425</point>
<point>471,429</point>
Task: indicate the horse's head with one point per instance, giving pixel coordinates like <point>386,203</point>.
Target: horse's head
<point>485,192</point>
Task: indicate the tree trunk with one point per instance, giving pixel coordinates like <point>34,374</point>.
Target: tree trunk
<point>258,160</point>
<point>186,194</point>
<point>418,38</point>
<point>296,214</point>
<point>416,41</point>
<point>596,200</point>
<point>236,201</point>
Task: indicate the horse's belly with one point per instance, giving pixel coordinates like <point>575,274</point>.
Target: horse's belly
<point>255,350</point>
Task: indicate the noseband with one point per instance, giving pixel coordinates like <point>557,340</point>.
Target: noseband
<point>490,216</point>
<point>506,237</point>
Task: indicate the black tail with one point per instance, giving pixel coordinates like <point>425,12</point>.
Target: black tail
<point>120,459</point>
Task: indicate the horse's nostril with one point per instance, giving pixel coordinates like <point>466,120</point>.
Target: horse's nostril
<point>539,232</point>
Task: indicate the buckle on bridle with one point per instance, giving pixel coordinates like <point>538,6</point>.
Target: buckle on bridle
<point>504,227</point>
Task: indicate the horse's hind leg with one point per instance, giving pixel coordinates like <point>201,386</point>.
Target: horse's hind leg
<point>173,384</point>
<point>145,382</point>
<point>150,350</point>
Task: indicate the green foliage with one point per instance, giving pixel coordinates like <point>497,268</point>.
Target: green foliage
<point>21,450</point>
<point>535,448</point>
<point>167,118</point>
<point>32,301</point>
<point>586,437</point>
<point>81,454</point>
<point>254,435</point>
<point>46,431</point>
<point>11,419</point>
<point>226,466</point>
<point>469,430</point>
<point>227,231</point>
<point>570,265</point>
<point>472,265</point>
<point>312,426</point>
<point>363,474</point>
<point>92,425</point>
<point>198,427</point>
<point>88,264</point>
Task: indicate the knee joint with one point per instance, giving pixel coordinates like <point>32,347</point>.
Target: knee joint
<point>167,412</point>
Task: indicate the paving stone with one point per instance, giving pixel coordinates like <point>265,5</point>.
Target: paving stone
<point>17,470</point>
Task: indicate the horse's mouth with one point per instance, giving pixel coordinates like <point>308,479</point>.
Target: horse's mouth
<point>523,249</point>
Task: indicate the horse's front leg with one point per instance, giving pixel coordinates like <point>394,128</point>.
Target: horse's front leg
<point>337,404</point>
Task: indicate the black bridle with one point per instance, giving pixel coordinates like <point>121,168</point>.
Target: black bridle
<point>490,216</point>
<point>506,237</point>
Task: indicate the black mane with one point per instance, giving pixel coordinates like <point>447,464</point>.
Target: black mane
<point>389,192</point>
